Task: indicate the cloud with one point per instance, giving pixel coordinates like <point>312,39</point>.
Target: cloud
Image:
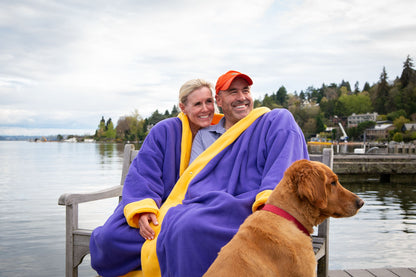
<point>68,63</point>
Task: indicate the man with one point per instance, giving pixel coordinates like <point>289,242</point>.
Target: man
<point>234,98</point>
<point>243,158</point>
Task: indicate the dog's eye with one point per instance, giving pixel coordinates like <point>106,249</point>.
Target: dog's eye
<point>334,183</point>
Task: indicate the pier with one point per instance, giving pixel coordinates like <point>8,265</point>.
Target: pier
<point>385,168</point>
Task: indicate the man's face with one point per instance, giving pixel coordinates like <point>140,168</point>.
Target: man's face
<point>236,102</point>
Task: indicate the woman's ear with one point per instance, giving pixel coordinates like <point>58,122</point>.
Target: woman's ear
<point>182,107</point>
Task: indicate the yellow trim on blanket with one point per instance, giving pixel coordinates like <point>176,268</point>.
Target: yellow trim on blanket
<point>186,143</point>
<point>150,262</point>
<point>261,199</point>
<point>133,209</point>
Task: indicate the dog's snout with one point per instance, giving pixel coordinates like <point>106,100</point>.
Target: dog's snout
<point>359,202</point>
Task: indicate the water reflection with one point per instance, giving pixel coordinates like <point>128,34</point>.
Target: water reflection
<point>387,201</point>
<point>108,151</point>
<point>381,234</point>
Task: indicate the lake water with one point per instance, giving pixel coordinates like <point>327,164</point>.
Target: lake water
<point>32,236</point>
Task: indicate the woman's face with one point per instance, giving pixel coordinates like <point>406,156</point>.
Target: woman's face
<point>199,107</point>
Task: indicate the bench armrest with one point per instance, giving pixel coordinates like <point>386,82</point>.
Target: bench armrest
<point>67,199</point>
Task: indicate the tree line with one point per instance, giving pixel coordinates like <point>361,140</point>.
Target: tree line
<point>314,109</point>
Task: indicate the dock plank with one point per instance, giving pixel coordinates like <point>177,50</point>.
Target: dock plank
<point>359,273</point>
<point>338,273</point>
<point>374,272</point>
<point>404,272</point>
<point>382,272</point>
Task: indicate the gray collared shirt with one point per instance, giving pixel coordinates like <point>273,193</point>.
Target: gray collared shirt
<point>205,137</point>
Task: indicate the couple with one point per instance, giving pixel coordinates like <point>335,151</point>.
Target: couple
<point>178,209</point>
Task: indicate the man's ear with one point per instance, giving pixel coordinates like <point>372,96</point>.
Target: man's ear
<point>218,100</point>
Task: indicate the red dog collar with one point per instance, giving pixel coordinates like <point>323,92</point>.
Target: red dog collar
<point>284,214</point>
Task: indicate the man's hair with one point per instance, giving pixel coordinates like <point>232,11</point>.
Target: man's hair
<point>190,86</point>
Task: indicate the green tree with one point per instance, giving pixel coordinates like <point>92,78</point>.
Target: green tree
<point>270,101</point>
<point>357,87</point>
<point>257,103</point>
<point>100,132</point>
<point>382,93</point>
<point>398,137</point>
<point>282,97</point>
<point>346,85</point>
<point>408,74</point>
<point>355,103</point>
<point>175,111</point>
<point>302,96</point>
<point>320,126</point>
<point>366,87</point>
<point>399,122</point>
<point>155,118</point>
<point>110,132</point>
<point>340,109</point>
<point>396,114</point>
<point>327,107</point>
<point>130,127</point>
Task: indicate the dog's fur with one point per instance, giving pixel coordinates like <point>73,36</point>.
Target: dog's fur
<point>270,245</point>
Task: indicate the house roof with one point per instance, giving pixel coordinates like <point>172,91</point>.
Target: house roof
<point>381,126</point>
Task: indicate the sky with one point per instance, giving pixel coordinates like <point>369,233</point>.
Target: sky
<point>65,64</point>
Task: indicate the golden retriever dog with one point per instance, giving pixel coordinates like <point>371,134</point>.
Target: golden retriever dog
<point>275,240</point>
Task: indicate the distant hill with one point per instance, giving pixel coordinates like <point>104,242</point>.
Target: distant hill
<point>27,138</point>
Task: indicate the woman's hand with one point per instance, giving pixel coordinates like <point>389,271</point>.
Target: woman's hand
<point>145,230</point>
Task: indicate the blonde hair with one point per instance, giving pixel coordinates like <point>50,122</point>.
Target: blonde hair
<point>190,86</point>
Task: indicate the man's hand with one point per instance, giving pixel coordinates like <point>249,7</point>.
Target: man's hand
<point>145,230</point>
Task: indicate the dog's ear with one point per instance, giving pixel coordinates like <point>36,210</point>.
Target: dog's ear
<point>310,182</point>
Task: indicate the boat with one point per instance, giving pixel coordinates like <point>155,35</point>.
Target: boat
<point>320,141</point>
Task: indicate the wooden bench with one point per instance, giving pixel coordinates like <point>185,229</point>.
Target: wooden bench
<point>320,241</point>
<point>77,240</point>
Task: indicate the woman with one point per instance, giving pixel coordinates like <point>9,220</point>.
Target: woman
<point>197,103</point>
<point>115,247</point>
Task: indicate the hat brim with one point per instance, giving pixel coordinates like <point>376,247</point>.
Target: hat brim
<point>227,84</point>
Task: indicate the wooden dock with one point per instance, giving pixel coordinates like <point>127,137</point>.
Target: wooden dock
<point>376,272</point>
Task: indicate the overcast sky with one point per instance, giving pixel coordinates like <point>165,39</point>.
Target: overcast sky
<point>64,64</point>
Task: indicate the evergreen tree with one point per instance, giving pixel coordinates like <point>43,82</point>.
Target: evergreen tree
<point>302,96</point>
<point>346,84</point>
<point>99,133</point>
<point>281,97</point>
<point>111,132</point>
<point>408,74</point>
<point>267,101</point>
<point>356,87</point>
<point>175,111</point>
<point>101,126</point>
<point>320,126</point>
<point>382,93</point>
<point>155,118</point>
<point>109,122</point>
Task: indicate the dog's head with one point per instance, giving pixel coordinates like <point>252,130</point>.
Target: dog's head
<point>317,184</point>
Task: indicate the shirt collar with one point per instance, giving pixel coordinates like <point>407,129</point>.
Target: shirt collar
<point>218,128</point>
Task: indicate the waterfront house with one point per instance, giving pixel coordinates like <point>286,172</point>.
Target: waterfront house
<point>355,119</point>
<point>409,127</point>
<point>379,131</point>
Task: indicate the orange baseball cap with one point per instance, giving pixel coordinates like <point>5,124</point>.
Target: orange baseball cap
<point>225,80</point>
